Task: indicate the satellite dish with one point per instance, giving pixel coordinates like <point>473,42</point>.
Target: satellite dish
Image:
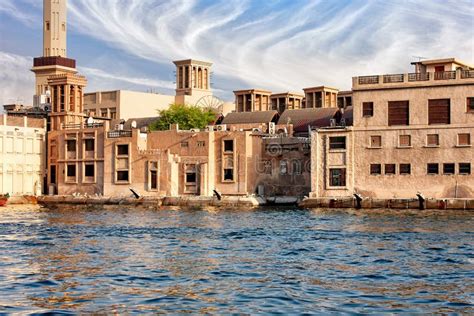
<point>134,124</point>
<point>90,120</point>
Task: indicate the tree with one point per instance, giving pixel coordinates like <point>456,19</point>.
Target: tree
<point>185,116</point>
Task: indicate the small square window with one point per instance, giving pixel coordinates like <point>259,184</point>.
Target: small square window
<point>465,168</point>
<point>449,168</point>
<point>368,109</point>
<point>337,142</point>
<point>405,168</point>
<point>432,168</point>
<point>228,145</point>
<point>191,177</point>
<point>71,145</point>
<point>432,140</point>
<point>122,175</point>
<point>464,139</point>
<point>89,170</point>
<point>184,144</point>
<point>390,168</point>
<point>337,177</point>
<point>228,174</point>
<point>71,171</point>
<point>376,141</point>
<point>470,104</point>
<point>122,150</point>
<point>201,143</point>
<point>404,141</point>
<point>375,169</point>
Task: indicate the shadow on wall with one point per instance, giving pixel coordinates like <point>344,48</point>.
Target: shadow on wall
<point>458,191</point>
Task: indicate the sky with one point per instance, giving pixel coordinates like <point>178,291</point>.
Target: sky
<point>277,45</point>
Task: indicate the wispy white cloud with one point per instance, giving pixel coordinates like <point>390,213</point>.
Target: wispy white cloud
<point>16,79</point>
<point>279,45</point>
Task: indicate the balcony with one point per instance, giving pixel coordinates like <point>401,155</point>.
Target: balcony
<point>393,78</point>
<point>118,134</point>
<point>419,76</point>
<point>54,61</point>
<point>445,75</point>
<point>81,126</point>
<point>369,80</point>
<point>467,74</point>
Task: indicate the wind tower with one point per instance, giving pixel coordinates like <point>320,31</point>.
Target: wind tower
<point>193,80</point>
<point>53,61</point>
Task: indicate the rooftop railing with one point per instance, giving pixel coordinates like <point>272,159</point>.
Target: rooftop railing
<point>467,74</point>
<point>118,134</point>
<point>444,75</point>
<point>419,76</point>
<point>54,61</point>
<point>80,126</point>
<point>393,78</point>
<point>369,80</point>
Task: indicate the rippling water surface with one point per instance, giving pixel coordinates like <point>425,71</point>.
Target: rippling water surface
<point>221,262</point>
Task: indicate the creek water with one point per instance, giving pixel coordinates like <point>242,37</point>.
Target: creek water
<point>262,261</point>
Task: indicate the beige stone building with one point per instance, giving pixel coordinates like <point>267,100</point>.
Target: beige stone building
<point>22,155</point>
<point>412,133</point>
<point>252,100</point>
<point>286,101</point>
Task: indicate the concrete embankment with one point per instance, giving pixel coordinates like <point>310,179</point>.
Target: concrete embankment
<point>369,203</point>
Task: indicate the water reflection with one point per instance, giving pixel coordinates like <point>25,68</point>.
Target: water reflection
<point>211,261</point>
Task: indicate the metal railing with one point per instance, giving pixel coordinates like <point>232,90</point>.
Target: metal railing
<point>81,126</point>
<point>118,134</point>
<point>369,80</point>
<point>419,76</point>
<point>393,78</point>
<point>467,74</point>
<point>444,75</point>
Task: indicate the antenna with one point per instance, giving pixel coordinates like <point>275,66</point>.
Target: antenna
<point>420,58</point>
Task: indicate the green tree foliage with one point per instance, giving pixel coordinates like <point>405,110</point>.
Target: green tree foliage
<point>186,116</point>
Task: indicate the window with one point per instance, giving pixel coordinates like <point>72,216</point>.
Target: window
<point>228,174</point>
<point>432,168</point>
<point>337,142</point>
<point>470,104</point>
<point>47,26</point>
<point>89,170</point>
<point>63,26</point>
<point>375,169</point>
<point>228,145</point>
<point>122,150</point>
<point>464,139</point>
<point>296,167</point>
<point>337,177</point>
<point>190,177</point>
<point>283,167</point>
<point>465,168</point>
<point>71,171</point>
<point>201,143</point>
<point>267,166</point>
<point>439,111</point>
<point>184,144</point>
<point>404,141</point>
<point>368,109</point>
<point>228,168</point>
<point>405,168</point>
<point>398,113</point>
<point>432,140</point>
<point>89,144</point>
<point>153,175</point>
<point>376,141</point>
<point>103,112</point>
<point>71,145</point>
<point>448,168</point>
<point>390,168</point>
<point>122,175</point>
<point>113,113</point>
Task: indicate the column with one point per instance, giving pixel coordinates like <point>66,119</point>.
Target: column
<point>314,100</point>
<point>252,102</point>
<point>244,103</point>
<point>182,77</point>
<point>323,99</point>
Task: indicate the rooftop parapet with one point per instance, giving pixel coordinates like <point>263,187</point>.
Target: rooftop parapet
<point>407,80</point>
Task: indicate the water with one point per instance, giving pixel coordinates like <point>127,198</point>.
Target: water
<point>246,262</point>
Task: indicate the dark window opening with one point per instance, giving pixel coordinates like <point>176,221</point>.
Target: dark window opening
<point>191,177</point>
<point>122,150</point>
<point>154,179</point>
<point>122,175</point>
<point>90,171</point>
<point>71,145</point>
<point>449,168</point>
<point>439,111</point>
<point>390,168</point>
<point>228,145</point>
<point>375,169</point>
<point>464,168</point>
<point>337,142</point>
<point>470,104</point>
<point>71,170</point>
<point>337,177</point>
<point>398,113</point>
<point>368,109</point>
<point>228,174</point>
<point>90,146</point>
<point>432,168</point>
<point>405,168</point>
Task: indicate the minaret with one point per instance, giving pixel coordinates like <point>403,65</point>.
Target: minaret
<point>54,28</point>
<point>54,61</point>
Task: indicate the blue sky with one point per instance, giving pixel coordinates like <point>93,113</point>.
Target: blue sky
<point>279,45</point>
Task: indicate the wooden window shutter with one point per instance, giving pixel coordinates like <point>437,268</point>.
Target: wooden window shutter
<point>439,111</point>
<point>398,113</point>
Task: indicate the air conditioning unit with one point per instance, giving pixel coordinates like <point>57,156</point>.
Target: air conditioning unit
<point>221,128</point>
<point>195,130</point>
<point>343,122</point>
<point>332,122</point>
<point>256,130</point>
<point>209,128</point>
<point>271,128</point>
<point>47,108</point>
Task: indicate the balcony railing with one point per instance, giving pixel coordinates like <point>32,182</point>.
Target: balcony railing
<point>444,75</point>
<point>419,76</point>
<point>467,74</point>
<point>369,80</point>
<point>80,126</point>
<point>53,61</point>
<point>393,78</point>
<point>118,134</point>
